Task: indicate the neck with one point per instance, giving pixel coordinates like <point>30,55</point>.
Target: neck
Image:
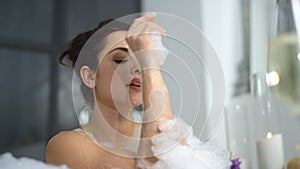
<point>105,117</point>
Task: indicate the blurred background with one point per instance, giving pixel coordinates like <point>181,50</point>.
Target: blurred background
<point>36,100</point>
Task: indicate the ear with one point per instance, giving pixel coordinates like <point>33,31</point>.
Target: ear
<point>88,76</point>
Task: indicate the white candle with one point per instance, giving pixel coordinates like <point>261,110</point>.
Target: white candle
<point>270,152</point>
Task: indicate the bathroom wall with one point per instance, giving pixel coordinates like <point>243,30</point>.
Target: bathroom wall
<point>36,100</point>
<point>220,24</point>
<point>240,41</point>
<point>191,12</point>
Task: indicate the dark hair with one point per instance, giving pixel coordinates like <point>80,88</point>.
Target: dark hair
<point>71,53</point>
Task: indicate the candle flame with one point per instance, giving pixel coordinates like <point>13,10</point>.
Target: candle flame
<point>298,147</point>
<point>273,78</point>
<point>269,135</point>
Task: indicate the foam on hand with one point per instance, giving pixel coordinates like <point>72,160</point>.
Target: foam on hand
<point>195,155</point>
<point>163,51</point>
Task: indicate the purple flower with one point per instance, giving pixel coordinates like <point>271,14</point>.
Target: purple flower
<point>235,164</point>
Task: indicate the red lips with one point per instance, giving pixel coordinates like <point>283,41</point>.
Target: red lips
<point>135,84</point>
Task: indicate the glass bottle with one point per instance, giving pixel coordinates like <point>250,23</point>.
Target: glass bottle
<point>284,54</point>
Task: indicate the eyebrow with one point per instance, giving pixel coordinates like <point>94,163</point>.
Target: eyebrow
<point>119,48</point>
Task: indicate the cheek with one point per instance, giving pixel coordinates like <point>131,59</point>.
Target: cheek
<point>103,82</point>
<point>104,76</point>
<point>110,84</point>
<point>124,73</point>
<point>118,86</point>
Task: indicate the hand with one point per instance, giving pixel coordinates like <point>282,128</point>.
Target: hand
<point>142,38</point>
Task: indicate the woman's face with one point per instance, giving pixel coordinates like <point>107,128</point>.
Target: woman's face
<point>118,82</point>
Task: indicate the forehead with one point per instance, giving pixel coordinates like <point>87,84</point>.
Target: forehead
<point>116,39</point>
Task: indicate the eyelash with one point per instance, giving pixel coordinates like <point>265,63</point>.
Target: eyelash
<point>119,61</point>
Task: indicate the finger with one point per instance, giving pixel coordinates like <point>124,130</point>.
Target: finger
<point>157,29</point>
<point>147,17</point>
<point>165,126</point>
<point>148,27</point>
<point>151,27</point>
<point>162,31</point>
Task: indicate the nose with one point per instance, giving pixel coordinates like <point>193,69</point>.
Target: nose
<point>135,69</point>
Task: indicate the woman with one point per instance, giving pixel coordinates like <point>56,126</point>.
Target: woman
<point>128,75</point>
<point>76,149</point>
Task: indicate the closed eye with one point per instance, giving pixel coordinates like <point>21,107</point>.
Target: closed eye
<point>119,61</point>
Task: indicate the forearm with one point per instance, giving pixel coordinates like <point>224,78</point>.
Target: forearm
<point>156,102</point>
<point>156,108</point>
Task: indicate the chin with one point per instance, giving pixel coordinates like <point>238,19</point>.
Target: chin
<point>134,103</point>
<point>136,100</point>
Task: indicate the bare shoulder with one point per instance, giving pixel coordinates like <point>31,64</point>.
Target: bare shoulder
<point>68,147</point>
<point>77,150</point>
<point>70,137</point>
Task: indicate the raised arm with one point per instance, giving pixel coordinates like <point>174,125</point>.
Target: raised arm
<point>156,101</point>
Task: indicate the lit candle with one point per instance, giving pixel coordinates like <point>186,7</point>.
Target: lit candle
<point>270,152</point>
